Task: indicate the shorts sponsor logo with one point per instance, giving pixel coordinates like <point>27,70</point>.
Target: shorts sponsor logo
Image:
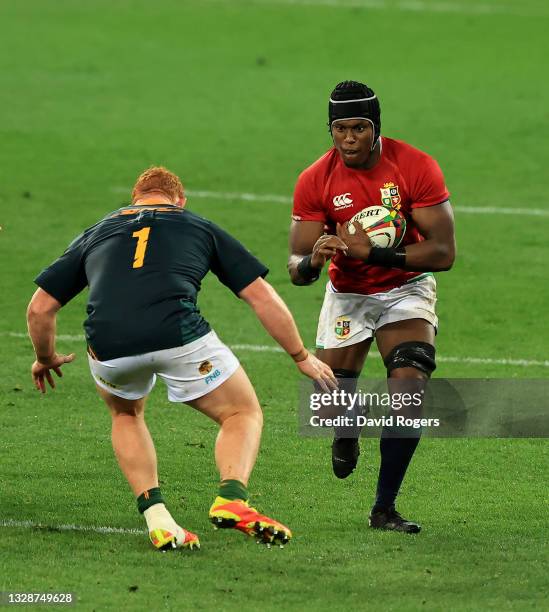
<point>212,376</point>
<point>205,367</point>
<point>106,382</point>
<point>342,328</point>
<point>390,195</point>
<point>342,201</point>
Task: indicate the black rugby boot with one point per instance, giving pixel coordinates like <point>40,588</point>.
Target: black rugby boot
<point>390,519</point>
<point>345,452</point>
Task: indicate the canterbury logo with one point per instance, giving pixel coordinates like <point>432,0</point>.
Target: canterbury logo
<point>342,200</point>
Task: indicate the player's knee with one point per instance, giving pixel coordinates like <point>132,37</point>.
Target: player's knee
<point>347,379</point>
<point>126,411</point>
<point>250,411</point>
<point>122,407</point>
<point>331,408</point>
<point>256,415</point>
<point>410,373</point>
<point>411,360</point>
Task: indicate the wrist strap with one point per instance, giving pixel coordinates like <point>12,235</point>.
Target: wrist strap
<point>388,258</point>
<point>301,355</point>
<point>306,271</point>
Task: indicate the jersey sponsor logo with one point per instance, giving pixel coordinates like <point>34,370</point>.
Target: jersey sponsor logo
<point>205,367</point>
<point>342,328</point>
<point>212,376</point>
<point>370,212</point>
<point>390,195</point>
<point>342,201</point>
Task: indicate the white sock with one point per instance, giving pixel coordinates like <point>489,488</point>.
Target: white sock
<point>158,517</point>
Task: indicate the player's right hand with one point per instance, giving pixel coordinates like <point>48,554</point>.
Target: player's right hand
<point>41,370</point>
<point>319,372</point>
<point>325,248</point>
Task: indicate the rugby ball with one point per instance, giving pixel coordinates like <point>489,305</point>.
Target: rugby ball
<point>385,226</point>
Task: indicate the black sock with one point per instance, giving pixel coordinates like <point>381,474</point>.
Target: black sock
<point>347,380</point>
<point>396,454</point>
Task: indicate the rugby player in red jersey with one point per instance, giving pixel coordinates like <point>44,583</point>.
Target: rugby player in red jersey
<point>384,293</point>
<point>143,265</point>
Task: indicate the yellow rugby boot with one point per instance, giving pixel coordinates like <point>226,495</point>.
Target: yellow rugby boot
<point>237,514</point>
<point>168,539</point>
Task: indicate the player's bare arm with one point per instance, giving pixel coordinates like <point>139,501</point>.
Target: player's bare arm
<point>434,254</point>
<point>275,317</point>
<point>310,249</point>
<point>438,251</point>
<point>41,321</point>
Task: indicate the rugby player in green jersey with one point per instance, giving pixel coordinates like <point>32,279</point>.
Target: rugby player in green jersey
<point>143,265</point>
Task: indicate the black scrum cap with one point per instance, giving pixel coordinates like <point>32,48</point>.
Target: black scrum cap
<point>354,100</point>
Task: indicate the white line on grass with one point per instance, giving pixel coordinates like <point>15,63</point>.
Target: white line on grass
<point>419,6</point>
<point>281,199</point>
<point>246,197</point>
<point>490,210</point>
<point>263,348</point>
<point>32,525</point>
<point>442,359</point>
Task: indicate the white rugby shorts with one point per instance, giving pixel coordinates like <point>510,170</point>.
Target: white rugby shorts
<point>189,371</point>
<point>350,318</point>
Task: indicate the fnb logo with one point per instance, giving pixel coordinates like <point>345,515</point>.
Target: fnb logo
<point>211,377</point>
<point>342,201</point>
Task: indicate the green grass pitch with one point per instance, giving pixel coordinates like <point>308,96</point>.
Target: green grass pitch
<point>233,97</point>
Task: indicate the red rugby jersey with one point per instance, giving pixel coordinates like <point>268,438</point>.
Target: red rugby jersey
<point>329,191</point>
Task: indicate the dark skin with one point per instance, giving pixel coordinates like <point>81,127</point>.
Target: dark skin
<point>353,140</point>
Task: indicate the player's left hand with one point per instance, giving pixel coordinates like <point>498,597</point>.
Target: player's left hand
<point>358,244</point>
<point>41,371</point>
<point>318,371</point>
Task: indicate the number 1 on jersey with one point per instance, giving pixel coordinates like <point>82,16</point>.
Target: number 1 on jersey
<point>142,238</point>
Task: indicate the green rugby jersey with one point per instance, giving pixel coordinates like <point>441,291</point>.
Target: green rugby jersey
<point>143,266</point>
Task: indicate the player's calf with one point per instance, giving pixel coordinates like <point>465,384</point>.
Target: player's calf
<point>409,366</point>
<point>345,446</point>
